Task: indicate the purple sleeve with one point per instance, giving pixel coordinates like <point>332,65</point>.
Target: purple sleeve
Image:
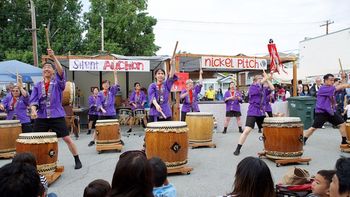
<point>227,94</point>
<point>6,101</point>
<point>170,81</point>
<point>115,89</point>
<point>239,94</point>
<point>132,98</point>
<point>151,93</point>
<point>143,95</point>
<point>91,102</point>
<point>253,90</point>
<point>26,99</point>
<point>99,100</point>
<point>326,91</point>
<point>34,98</point>
<point>61,80</point>
<point>198,88</point>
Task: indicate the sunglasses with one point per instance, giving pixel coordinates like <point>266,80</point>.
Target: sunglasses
<point>15,90</point>
<point>137,152</point>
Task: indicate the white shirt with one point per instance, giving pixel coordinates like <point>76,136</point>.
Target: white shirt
<point>348,110</point>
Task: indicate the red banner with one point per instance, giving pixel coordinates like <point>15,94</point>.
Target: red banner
<point>180,84</point>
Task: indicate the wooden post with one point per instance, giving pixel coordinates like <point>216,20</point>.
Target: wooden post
<point>295,78</point>
<point>176,108</point>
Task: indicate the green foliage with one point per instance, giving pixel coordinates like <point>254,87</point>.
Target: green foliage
<point>20,55</point>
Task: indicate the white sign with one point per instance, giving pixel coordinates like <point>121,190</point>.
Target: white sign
<point>109,65</point>
<point>233,63</point>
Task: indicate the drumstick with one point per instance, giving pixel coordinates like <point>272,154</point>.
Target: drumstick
<point>174,52</point>
<point>47,38</point>
<point>164,116</point>
<point>341,67</point>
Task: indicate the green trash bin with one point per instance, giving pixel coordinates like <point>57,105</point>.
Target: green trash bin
<point>302,107</point>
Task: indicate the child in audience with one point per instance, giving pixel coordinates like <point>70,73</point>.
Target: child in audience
<point>320,186</point>
<point>162,188</point>
<point>97,188</point>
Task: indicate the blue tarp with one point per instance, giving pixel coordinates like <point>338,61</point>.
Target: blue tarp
<point>8,69</point>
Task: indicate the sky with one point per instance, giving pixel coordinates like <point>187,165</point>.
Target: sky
<point>230,27</point>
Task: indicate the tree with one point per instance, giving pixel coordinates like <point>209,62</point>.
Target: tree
<point>127,27</point>
<point>63,18</point>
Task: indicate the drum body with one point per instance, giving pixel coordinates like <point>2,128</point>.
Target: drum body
<point>107,135</point>
<point>348,131</point>
<point>124,115</point>
<point>140,113</point>
<point>168,140</point>
<point>200,125</point>
<point>44,146</point>
<point>68,94</point>
<point>9,131</point>
<point>283,137</point>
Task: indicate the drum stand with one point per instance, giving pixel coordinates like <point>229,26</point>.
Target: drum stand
<point>182,170</point>
<point>345,148</point>
<point>202,144</point>
<point>52,177</point>
<point>107,147</point>
<point>280,162</point>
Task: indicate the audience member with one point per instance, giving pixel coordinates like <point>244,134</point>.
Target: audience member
<point>321,183</point>
<point>340,185</point>
<point>162,188</point>
<point>97,188</point>
<point>306,91</point>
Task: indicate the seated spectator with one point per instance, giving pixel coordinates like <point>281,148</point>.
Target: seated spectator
<point>306,91</point>
<point>132,176</point>
<point>162,188</point>
<point>320,185</point>
<point>97,188</point>
<point>29,158</point>
<point>19,180</point>
<point>252,179</point>
<point>340,185</point>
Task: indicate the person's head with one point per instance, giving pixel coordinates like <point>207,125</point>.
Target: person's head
<point>318,81</point>
<point>137,86</point>
<point>253,178</point>
<point>105,84</point>
<point>19,180</point>
<point>300,82</point>
<point>97,188</point>
<point>340,185</point>
<point>305,88</point>
<point>320,185</point>
<point>132,175</point>
<point>328,79</point>
<point>189,84</point>
<point>25,157</point>
<point>9,87</point>
<point>159,75</point>
<point>159,171</point>
<point>48,69</point>
<point>211,88</point>
<point>257,78</point>
<point>95,91</point>
<point>337,81</point>
<point>15,91</point>
<point>232,85</point>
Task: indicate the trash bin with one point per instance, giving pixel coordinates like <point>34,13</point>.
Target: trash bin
<point>302,107</point>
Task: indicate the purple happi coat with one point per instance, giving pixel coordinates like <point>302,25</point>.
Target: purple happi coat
<point>138,99</point>
<point>187,105</point>
<point>107,102</point>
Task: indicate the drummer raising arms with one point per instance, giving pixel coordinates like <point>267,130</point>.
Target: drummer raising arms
<point>105,102</point>
<point>189,96</point>
<point>326,107</point>
<point>46,104</point>
<point>158,94</point>
<point>137,102</point>
<point>256,109</point>
<point>16,106</point>
<point>93,113</point>
<point>233,98</point>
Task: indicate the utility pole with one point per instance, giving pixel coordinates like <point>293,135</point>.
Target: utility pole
<point>327,23</point>
<point>33,30</point>
<point>102,36</point>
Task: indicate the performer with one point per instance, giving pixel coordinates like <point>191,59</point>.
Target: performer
<point>256,109</point>
<point>16,105</point>
<point>105,102</point>
<point>158,94</point>
<point>189,96</point>
<point>326,107</point>
<point>233,98</point>
<point>137,101</point>
<point>93,113</point>
<point>46,104</point>
<point>269,98</point>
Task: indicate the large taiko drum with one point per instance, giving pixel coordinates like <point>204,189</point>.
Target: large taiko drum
<point>108,135</point>
<point>44,146</point>
<point>200,125</point>
<point>283,137</point>
<point>168,140</point>
<point>9,131</point>
<point>69,94</point>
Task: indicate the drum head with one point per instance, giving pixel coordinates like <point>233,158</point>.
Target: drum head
<point>107,121</point>
<point>9,122</point>
<point>278,120</point>
<point>167,124</point>
<point>38,135</point>
<point>199,114</point>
